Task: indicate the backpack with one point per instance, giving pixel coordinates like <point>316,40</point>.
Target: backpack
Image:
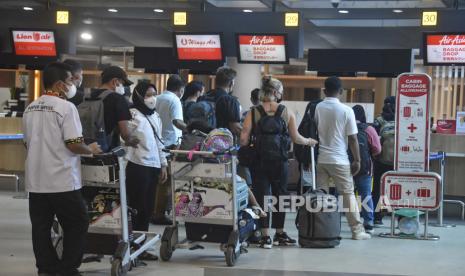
<point>271,136</point>
<point>364,149</point>
<point>203,110</point>
<point>319,227</point>
<point>91,113</point>
<point>388,142</point>
<point>308,129</point>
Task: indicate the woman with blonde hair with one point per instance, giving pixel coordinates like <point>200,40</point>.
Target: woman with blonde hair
<point>270,127</point>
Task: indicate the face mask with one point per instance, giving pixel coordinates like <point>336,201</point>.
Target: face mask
<point>71,91</point>
<point>150,102</point>
<point>120,89</point>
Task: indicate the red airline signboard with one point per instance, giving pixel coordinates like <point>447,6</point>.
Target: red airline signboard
<point>412,123</point>
<point>262,48</point>
<point>34,43</point>
<point>199,47</point>
<point>445,48</point>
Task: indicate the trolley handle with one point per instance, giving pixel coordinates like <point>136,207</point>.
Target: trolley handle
<point>202,153</point>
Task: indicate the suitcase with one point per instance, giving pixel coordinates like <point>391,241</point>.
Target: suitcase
<point>319,228</point>
<point>242,192</point>
<point>423,192</point>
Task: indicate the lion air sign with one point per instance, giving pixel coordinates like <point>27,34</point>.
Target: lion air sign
<point>34,43</point>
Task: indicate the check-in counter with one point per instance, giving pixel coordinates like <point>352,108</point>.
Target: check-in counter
<point>12,150</point>
<point>454,147</point>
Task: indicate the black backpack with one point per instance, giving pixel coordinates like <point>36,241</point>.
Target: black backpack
<point>364,148</point>
<point>271,136</point>
<point>308,128</point>
<point>203,110</point>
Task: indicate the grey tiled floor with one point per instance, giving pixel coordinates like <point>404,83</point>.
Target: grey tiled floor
<point>377,256</point>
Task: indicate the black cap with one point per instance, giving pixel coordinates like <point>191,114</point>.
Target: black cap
<point>115,72</point>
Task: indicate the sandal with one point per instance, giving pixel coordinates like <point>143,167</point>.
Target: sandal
<point>259,211</point>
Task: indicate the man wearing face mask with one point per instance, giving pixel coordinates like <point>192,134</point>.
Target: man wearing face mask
<point>116,108</point>
<point>76,72</point>
<point>53,139</point>
<point>227,108</point>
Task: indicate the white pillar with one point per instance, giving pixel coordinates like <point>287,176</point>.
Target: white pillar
<point>248,78</point>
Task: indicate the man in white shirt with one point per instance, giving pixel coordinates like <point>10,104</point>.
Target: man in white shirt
<point>170,108</point>
<point>53,138</point>
<point>337,129</point>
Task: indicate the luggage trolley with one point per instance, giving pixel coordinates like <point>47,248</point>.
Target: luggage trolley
<point>110,231</point>
<point>209,198</point>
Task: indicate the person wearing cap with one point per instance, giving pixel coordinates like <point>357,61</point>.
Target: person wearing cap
<point>116,108</point>
<point>53,139</point>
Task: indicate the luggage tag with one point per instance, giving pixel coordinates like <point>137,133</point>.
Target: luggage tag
<point>306,176</point>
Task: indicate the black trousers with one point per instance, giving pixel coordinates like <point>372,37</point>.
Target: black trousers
<point>379,170</point>
<point>71,213</point>
<point>270,179</point>
<point>141,183</point>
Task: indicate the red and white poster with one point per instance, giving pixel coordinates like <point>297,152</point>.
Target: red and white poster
<point>199,47</point>
<point>262,48</point>
<point>411,190</point>
<point>445,48</point>
<point>34,43</point>
<point>412,123</point>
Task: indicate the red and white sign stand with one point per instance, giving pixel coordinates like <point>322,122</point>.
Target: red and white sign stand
<point>410,185</point>
<point>412,123</point>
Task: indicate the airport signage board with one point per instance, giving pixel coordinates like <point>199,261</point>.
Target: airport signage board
<point>262,48</point>
<point>198,47</point>
<point>412,123</point>
<point>444,48</point>
<point>34,43</point>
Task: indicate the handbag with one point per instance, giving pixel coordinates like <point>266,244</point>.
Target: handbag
<point>247,155</point>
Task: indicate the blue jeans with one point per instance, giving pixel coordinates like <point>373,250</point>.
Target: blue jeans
<point>363,187</point>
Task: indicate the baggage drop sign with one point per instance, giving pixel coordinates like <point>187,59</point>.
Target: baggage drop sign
<point>411,190</point>
<point>412,123</point>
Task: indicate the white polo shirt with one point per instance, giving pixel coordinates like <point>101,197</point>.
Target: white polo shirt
<point>49,123</point>
<point>169,107</point>
<point>336,121</point>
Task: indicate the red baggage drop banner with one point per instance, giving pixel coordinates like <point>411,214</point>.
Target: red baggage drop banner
<point>262,48</point>
<point>412,123</point>
<point>34,43</point>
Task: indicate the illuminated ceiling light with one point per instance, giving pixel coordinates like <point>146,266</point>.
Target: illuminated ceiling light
<point>158,10</point>
<point>88,21</point>
<point>397,11</point>
<point>28,8</point>
<point>86,36</point>
<point>247,10</point>
<point>343,11</point>
<point>112,10</point>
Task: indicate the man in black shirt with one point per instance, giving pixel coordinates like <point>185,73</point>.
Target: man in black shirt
<point>227,109</point>
<point>116,108</point>
<point>76,72</point>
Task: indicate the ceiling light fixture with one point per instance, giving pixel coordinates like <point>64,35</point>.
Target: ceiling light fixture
<point>88,21</point>
<point>158,10</point>
<point>247,10</point>
<point>112,10</point>
<point>397,11</point>
<point>28,8</point>
<point>86,36</point>
<point>343,11</point>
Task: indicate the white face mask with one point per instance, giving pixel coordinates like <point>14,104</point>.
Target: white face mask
<point>120,89</point>
<point>150,102</point>
<point>71,91</point>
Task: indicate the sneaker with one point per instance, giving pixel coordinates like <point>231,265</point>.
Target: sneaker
<point>369,229</point>
<point>266,242</point>
<point>378,223</point>
<point>361,236</point>
<point>283,239</point>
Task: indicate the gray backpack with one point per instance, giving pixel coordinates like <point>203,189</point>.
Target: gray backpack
<point>91,113</point>
<point>319,227</point>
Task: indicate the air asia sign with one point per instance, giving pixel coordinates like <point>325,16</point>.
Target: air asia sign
<point>199,47</point>
<point>34,43</point>
<point>412,123</point>
<point>445,49</point>
<point>262,48</point>
<point>411,190</point>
